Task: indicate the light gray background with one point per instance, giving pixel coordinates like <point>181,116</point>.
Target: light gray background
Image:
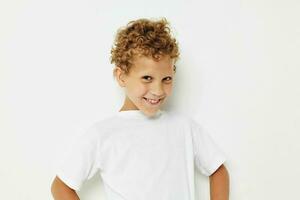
<point>238,74</point>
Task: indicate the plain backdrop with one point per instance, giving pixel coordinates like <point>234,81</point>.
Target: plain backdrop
<point>238,73</point>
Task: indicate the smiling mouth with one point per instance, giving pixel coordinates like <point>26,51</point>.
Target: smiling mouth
<point>153,102</point>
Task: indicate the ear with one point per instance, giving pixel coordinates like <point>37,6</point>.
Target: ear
<point>120,76</point>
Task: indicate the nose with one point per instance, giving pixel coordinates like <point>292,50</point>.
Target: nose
<point>157,90</point>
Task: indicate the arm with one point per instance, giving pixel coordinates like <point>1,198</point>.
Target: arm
<point>219,184</point>
<point>61,191</point>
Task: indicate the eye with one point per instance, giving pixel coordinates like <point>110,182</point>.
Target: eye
<point>168,78</point>
<point>147,78</point>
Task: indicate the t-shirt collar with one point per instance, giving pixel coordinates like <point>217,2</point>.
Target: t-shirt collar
<point>138,114</point>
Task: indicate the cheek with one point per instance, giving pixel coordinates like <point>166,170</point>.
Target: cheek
<point>139,90</point>
<point>168,89</point>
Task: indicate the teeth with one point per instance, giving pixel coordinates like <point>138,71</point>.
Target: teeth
<point>152,101</point>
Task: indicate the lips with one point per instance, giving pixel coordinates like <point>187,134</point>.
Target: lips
<point>152,101</point>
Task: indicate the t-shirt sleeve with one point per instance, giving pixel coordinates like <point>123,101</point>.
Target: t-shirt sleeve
<point>80,161</point>
<point>208,156</point>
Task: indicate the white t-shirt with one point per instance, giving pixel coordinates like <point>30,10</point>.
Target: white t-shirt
<point>141,157</point>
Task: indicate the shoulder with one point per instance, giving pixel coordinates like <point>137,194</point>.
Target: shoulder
<point>180,117</point>
<point>185,118</point>
<point>103,128</point>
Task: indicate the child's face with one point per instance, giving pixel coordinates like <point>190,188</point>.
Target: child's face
<point>147,79</point>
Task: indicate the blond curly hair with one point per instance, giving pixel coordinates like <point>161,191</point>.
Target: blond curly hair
<point>150,38</point>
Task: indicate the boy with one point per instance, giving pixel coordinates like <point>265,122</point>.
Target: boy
<point>143,152</point>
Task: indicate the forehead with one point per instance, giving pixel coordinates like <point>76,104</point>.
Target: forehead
<point>145,64</point>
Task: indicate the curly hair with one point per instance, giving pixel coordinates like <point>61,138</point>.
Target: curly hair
<point>143,37</point>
